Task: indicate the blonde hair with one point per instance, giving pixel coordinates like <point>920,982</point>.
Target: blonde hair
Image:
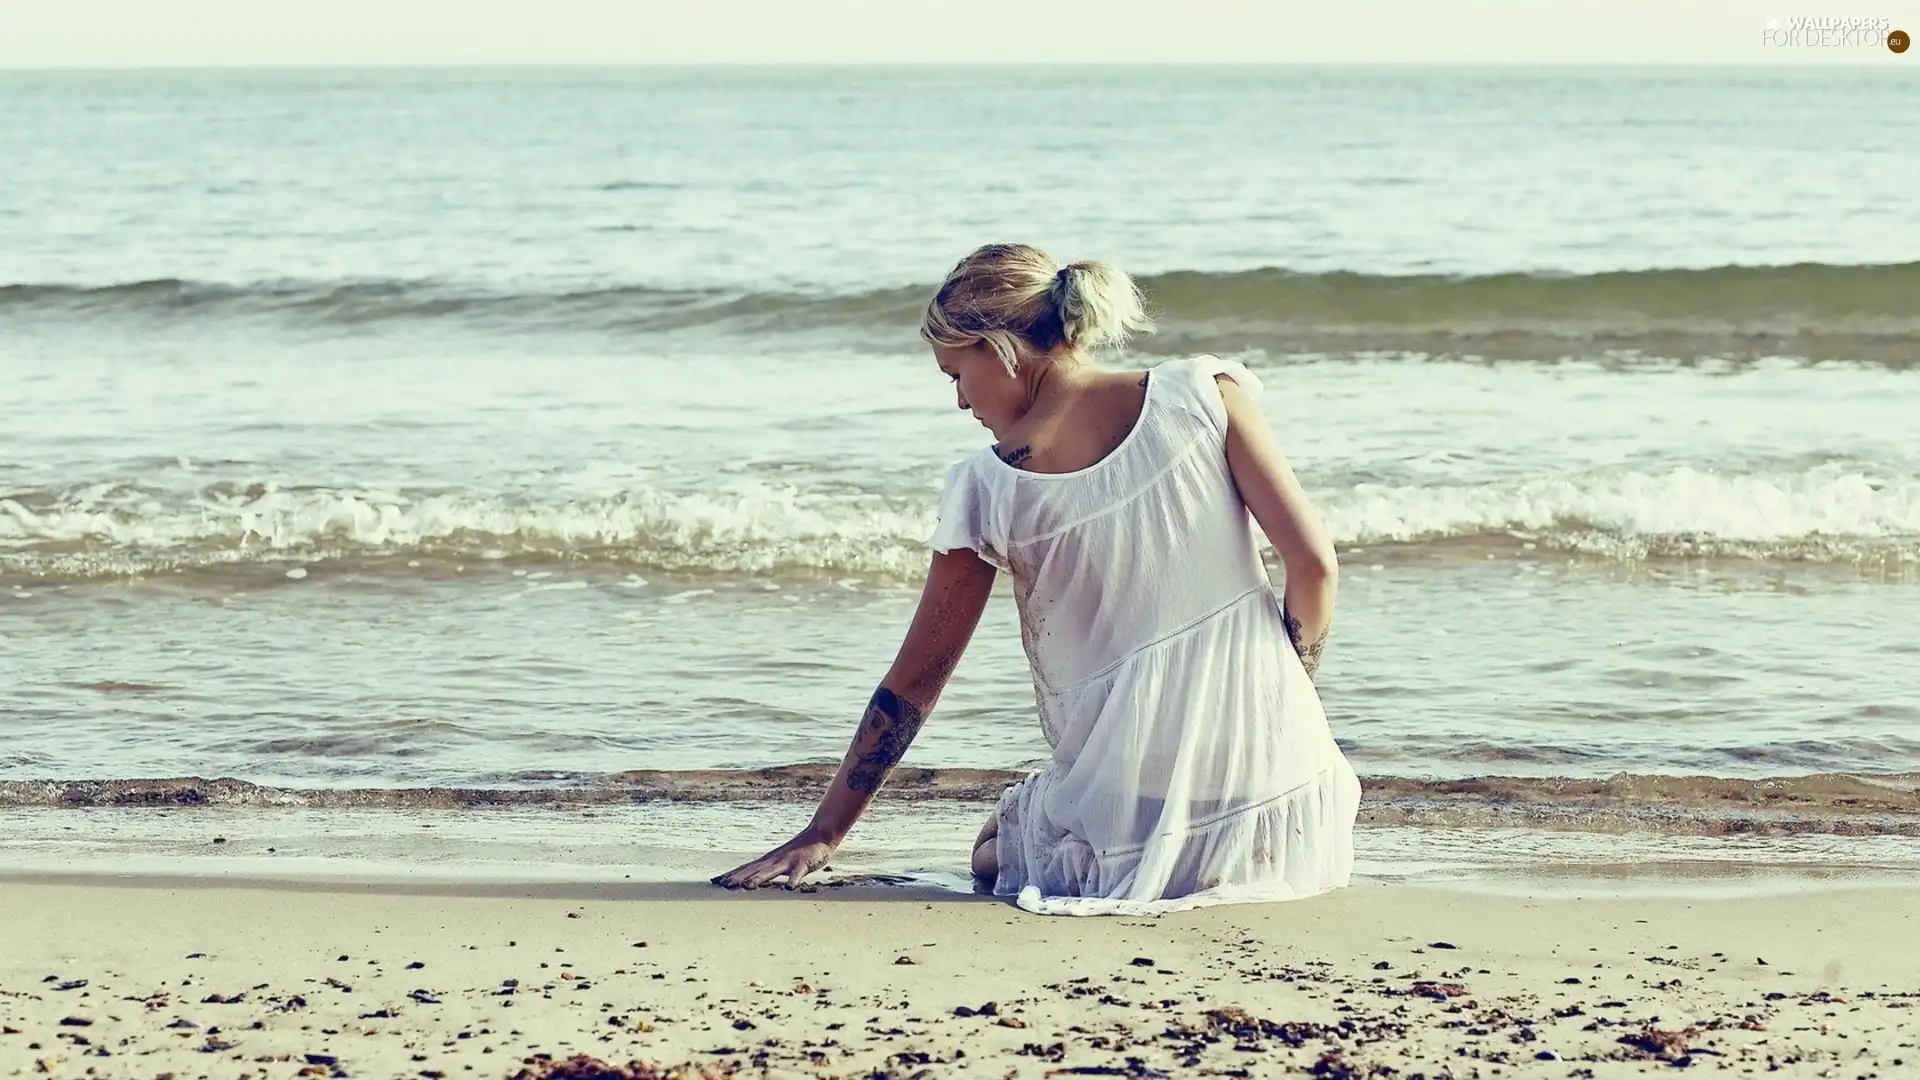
<point>1015,299</point>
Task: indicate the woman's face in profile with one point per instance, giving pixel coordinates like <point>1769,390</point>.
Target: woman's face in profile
<point>982,385</point>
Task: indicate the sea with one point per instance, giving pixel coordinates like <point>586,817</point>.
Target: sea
<point>524,474</point>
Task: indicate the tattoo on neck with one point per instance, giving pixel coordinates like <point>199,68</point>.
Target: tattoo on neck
<point>1015,457</point>
<point>1309,654</point>
<point>891,722</point>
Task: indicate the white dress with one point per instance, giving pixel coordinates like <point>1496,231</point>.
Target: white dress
<point>1192,763</point>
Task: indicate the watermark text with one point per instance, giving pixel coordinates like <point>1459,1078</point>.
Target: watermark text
<point>1833,32</point>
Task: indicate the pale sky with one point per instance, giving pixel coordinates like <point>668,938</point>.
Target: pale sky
<point>271,33</point>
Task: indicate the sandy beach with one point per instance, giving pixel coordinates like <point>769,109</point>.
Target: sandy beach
<point>218,978</point>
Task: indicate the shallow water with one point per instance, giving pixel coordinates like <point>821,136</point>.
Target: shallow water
<point>517,430</point>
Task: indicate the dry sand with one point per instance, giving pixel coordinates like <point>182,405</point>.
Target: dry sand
<point>129,977</point>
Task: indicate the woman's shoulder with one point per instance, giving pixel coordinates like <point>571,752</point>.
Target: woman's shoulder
<point>1190,383</point>
<point>1200,371</point>
<point>973,510</point>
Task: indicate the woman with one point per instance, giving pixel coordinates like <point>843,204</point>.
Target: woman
<point>1191,761</point>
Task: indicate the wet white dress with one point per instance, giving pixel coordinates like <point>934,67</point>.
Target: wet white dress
<point>1191,763</point>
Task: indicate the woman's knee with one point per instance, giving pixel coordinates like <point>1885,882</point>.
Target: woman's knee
<point>986,850</point>
<point>986,859</point>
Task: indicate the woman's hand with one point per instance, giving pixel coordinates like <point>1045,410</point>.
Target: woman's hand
<point>958,584</point>
<point>793,860</point>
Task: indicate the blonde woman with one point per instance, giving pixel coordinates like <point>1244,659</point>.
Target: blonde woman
<point>1191,762</point>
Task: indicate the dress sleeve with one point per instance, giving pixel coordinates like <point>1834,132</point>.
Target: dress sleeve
<point>1205,369</point>
<point>970,516</point>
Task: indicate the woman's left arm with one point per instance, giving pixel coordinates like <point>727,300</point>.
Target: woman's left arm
<point>958,584</point>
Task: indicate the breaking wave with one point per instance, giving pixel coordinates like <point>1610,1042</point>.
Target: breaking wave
<point>1809,310</point>
<point>1823,515</point>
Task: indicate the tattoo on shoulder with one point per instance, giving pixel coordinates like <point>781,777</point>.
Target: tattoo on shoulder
<point>890,723</point>
<point>1016,456</point>
<point>1309,653</point>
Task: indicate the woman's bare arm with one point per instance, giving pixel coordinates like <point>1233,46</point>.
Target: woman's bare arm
<point>958,584</point>
<point>1274,495</point>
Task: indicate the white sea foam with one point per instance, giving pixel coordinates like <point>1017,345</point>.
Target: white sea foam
<point>1683,506</point>
<point>1820,513</point>
<point>749,530</point>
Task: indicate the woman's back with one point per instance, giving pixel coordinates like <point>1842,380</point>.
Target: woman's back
<point>1129,550</point>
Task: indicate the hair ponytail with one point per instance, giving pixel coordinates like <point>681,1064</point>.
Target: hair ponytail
<point>1098,305</point>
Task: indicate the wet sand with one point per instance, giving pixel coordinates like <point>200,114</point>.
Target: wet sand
<point>222,978</point>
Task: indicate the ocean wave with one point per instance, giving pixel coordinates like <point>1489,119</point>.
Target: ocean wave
<point>1809,310</point>
<point>1822,514</point>
<point>1825,515</point>
<point>122,529</point>
<point>1829,804</point>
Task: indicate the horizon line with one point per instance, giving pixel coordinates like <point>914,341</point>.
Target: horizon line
<point>633,65</point>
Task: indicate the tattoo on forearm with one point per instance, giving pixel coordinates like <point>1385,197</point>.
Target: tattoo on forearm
<point>1015,457</point>
<point>892,722</point>
<point>1309,653</point>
